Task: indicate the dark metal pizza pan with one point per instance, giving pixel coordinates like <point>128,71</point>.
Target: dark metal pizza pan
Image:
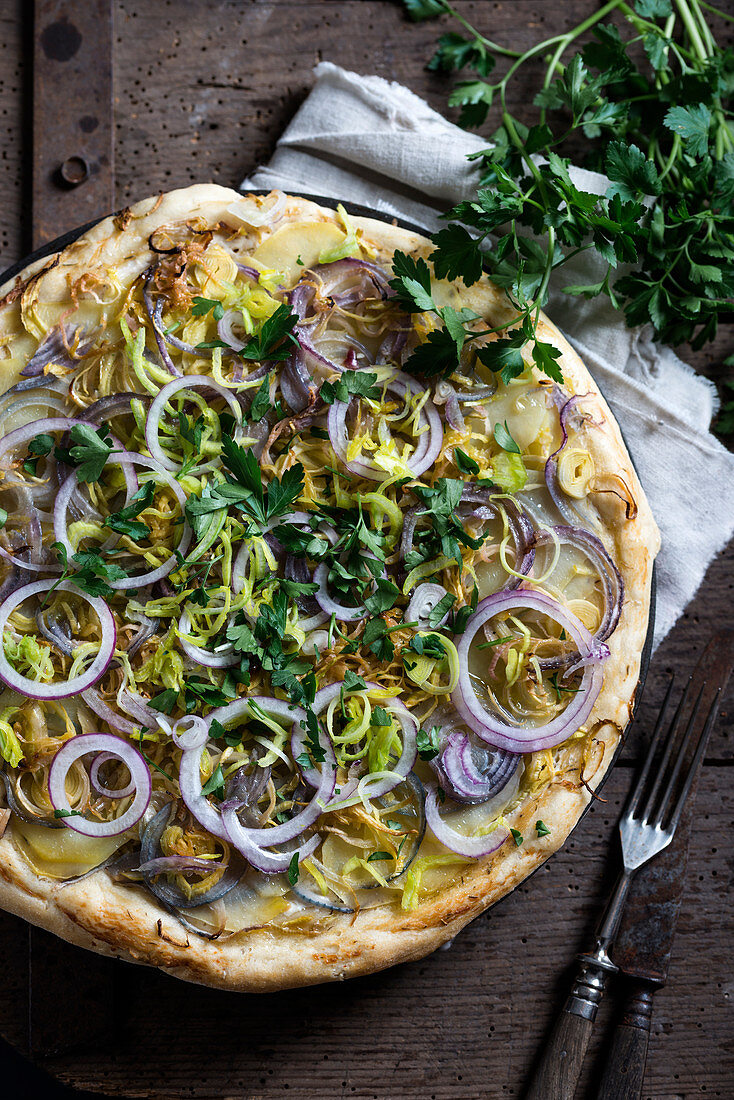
<point>366,212</point>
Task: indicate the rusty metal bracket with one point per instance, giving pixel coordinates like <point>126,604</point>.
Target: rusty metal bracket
<point>73,179</point>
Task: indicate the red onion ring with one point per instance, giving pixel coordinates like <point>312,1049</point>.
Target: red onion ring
<point>125,458</point>
<point>225,327</point>
<point>249,842</point>
<point>521,529</point>
<point>79,746</point>
<point>113,405</point>
<point>97,704</point>
<point>69,489</point>
<point>152,864</point>
<point>227,824</point>
<point>518,738</point>
<point>53,349</point>
<point>29,566</point>
<point>40,427</point>
<point>461,777</point>
<point>108,792</point>
<point>134,705</point>
<point>30,688</point>
<point>425,597</point>
<point>610,577</point>
<point>473,847</point>
<point>154,316</point>
<point>429,443</point>
<point>226,659</point>
<point>328,605</point>
<point>193,741</point>
<point>270,863</point>
<point>570,513</point>
<point>152,423</point>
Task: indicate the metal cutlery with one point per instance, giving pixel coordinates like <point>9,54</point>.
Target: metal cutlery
<point>647,827</point>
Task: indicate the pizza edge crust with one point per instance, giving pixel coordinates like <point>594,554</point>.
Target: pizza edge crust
<point>95,913</point>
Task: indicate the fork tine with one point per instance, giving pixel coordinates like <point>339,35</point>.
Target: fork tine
<point>693,770</point>
<point>638,789</point>
<point>667,753</point>
<point>639,786</point>
<point>687,740</point>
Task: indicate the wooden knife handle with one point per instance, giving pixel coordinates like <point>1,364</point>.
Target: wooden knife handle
<point>624,1073</point>
<point>559,1069</point>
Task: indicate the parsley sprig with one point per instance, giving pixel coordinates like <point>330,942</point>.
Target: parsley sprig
<point>656,121</point>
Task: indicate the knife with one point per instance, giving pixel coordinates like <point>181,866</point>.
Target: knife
<point>645,938</point>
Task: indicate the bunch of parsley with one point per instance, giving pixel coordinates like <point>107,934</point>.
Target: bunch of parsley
<point>654,109</point>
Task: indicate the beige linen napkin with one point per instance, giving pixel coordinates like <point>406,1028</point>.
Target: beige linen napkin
<point>366,140</point>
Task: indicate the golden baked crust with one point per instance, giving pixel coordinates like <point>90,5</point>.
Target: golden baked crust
<point>124,921</point>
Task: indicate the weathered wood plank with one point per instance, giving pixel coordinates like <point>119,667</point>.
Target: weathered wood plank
<point>462,1023</point>
<point>202,91</point>
<point>73,141</point>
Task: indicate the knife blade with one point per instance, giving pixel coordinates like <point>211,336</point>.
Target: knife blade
<point>644,941</point>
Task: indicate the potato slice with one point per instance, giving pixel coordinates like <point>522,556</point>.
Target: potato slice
<point>306,240</point>
<point>62,853</point>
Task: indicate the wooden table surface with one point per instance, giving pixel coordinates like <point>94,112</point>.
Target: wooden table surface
<point>202,90</point>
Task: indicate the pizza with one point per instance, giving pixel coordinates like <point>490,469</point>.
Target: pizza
<point>313,647</point>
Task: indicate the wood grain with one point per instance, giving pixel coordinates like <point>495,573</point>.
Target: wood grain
<point>562,1059</point>
<point>73,147</point>
<point>624,1073</point>
<point>202,90</point>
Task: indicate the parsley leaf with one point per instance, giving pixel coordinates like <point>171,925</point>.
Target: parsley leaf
<point>412,283</point>
<point>693,125</point>
<point>260,402</point>
<point>215,784</point>
<point>435,357</point>
<point>630,171</point>
<point>466,464</point>
<point>383,598</point>
<point>282,493</point>
<point>429,742</point>
<point>380,717</point>
<point>437,613</point>
<point>202,306</point>
<point>376,638</point>
<point>124,521</point>
<point>275,338</point>
<point>90,451</point>
<point>164,701</point>
<point>353,682</point>
<point>293,869</point>
<point>504,438</point>
<point>351,383</point>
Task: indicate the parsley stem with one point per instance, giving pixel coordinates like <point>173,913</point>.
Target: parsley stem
<point>689,24</point>
<point>716,11</point>
<point>566,39</point>
<point>546,274</point>
<point>674,151</point>
<point>502,51</point>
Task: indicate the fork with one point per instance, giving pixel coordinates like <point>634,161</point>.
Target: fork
<point>647,826</point>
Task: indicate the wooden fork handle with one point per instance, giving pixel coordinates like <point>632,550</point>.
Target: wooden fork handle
<point>558,1072</point>
<point>624,1073</point>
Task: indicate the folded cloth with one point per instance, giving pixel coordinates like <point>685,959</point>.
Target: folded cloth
<point>366,140</point>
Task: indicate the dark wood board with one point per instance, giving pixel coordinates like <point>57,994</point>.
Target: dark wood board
<point>73,145</point>
<point>202,90</point>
